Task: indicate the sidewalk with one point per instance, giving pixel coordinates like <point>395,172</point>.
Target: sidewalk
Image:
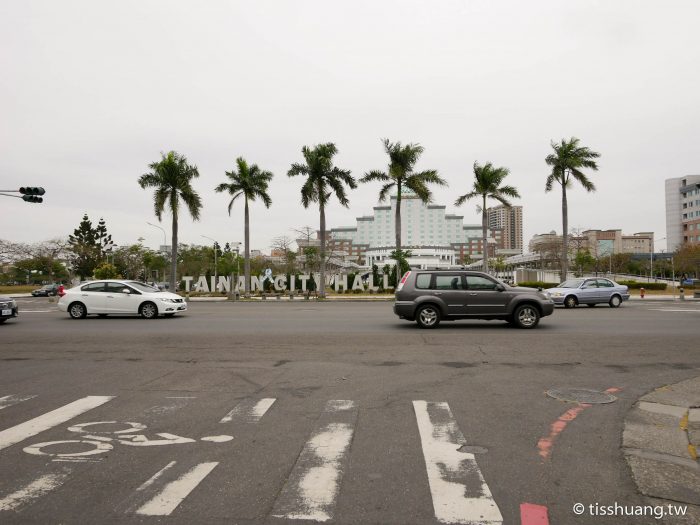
<point>661,441</point>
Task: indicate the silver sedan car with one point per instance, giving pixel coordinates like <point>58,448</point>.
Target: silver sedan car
<point>591,291</point>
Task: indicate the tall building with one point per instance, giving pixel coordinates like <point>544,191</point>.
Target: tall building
<point>682,211</point>
<point>431,233</point>
<point>510,221</point>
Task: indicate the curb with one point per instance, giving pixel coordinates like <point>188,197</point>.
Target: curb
<point>661,440</point>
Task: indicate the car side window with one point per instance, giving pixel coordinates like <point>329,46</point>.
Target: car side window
<point>477,282</point>
<point>604,283</point>
<point>448,282</point>
<point>589,284</point>
<point>94,287</point>
<point>423,280</point>
<point>116,287</point>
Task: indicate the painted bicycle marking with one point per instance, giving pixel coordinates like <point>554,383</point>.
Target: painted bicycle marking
<point>101,437</point>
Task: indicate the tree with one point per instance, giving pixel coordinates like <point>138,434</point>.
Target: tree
<point>401,258</point>
<point>568,159</point>
<point>400,174</point>
<point>283,245</point>
<point>85,248</point>
<point>323,180</point>
<point>172,179</point>
<point>106,271</point>
<point>584,261</point>
<point>487,185</point>
<point>250,182</point>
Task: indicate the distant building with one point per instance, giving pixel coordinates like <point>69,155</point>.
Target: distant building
<point>599,243</point>
<point>436,238</point>
<point>510,221</point>
<point>682,211</point>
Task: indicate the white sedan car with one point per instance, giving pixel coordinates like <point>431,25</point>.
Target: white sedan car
<point>120,297</point>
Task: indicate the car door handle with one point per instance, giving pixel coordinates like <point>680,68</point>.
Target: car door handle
<point>437,293</point>
<point>84,295</point>
<point>473,293</point>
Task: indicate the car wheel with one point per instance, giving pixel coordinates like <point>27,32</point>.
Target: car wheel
<point>428,316</point>
<point>570,302</point>
<point>77,311</point>
<point>615,301</point>
<point>526,316</point>
<point>148,310</point>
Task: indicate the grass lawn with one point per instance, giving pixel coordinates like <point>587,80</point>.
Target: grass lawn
<point>22,288</point>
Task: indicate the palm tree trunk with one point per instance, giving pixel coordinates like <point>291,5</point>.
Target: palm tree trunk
<point>246,266</point>
<point>173,255</point>
<point>397,232</point>
<point>484,244</point>
<point>564,231</point>
<point>322,284</point>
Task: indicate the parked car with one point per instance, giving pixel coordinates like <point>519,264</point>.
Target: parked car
<point>120,297</point>
<point>590,291</point>
<point>46,291</point>
<point>8,308</point>
<point>431,296</point>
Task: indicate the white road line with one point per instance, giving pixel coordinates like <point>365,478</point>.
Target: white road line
<point>8,401</point>
<point>460,494</point>
<point>673,310</point>
<point>49,420</point>
<point>176,491</point>
<point>312,488</point>
<point>34,490</point>
<point>155,476</point>
<point>249,410</point>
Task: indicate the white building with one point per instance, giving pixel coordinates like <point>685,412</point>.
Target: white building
<point>434,237</point>
<point>682,211</point>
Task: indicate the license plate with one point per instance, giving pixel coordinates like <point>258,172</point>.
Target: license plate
<point>7,312</point>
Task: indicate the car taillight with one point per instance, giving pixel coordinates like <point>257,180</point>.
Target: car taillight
<point>403,280</point>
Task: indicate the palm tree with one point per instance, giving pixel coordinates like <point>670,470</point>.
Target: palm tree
<point>323,180</point>
<point>566,161</point>
<point>400,174</point>
<point>172,179</point>
<point>487,185</point>
<point>251,182</point>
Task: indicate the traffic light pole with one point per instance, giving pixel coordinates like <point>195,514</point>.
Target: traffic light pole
<point>28,193</point>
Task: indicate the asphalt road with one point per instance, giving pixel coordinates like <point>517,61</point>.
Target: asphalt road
<point>379,456</point>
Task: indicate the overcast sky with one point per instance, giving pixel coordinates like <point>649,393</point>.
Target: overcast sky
<point>92,92</point>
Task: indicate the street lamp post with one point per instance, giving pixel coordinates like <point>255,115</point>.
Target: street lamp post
<point>165,243</point>
<point>216,275</point>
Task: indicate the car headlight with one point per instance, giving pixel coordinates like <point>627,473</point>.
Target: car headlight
<point>166,300</point>
<point>557,294</point>
<point>13,304</point>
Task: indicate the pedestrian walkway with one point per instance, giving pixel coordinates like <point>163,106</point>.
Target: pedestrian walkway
<point>169,474</point>
<point>661,441</point>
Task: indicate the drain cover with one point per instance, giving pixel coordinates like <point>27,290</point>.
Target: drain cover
<point>581,395</point>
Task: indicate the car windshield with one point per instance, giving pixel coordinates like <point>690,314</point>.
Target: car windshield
<point>142,287</point>
<point>573,283</point>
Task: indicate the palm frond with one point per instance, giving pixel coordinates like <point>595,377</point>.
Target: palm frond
<point>385,190</point>
<point>374,175</point>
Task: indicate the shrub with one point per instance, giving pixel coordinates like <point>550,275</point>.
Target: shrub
<point>634,285</point>
<point>537,284</point>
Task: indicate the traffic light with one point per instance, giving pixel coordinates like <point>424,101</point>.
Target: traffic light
<point>31,194</point>
<point>31,190</point>
<point>32,198</point>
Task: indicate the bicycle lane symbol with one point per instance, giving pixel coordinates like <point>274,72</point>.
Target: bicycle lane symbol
<point>95,439</point>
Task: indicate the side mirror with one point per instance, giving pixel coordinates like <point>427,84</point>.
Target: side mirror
<point>126,291</point>
<point>500,288</point>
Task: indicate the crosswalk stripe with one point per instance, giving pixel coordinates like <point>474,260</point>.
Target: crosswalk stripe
<point>176,491</point>
<point>249,410</point>
<point>313,485</point>
<point>8,401</point>
<point>34,490</point>
<point>460,493</point>
<point>49,420</point>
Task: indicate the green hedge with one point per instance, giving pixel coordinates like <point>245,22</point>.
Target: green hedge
<point>537,284</point>
<point>634,285</point>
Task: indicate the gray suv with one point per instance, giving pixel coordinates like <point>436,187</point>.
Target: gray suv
<point>431,296</point>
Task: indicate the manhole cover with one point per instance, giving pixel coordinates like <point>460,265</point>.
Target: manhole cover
<point>581,395</point>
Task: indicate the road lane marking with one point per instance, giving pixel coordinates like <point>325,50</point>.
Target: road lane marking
<point>8,401</point>
<point>249,410</point>
<point>176,491</point>
<point>155,476</point>
<point>531,514</point>
<point>49,420</point>
<point>685,310</point>
<point>34,490</point>
<point>460,493</point>
<point>312,488</point>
